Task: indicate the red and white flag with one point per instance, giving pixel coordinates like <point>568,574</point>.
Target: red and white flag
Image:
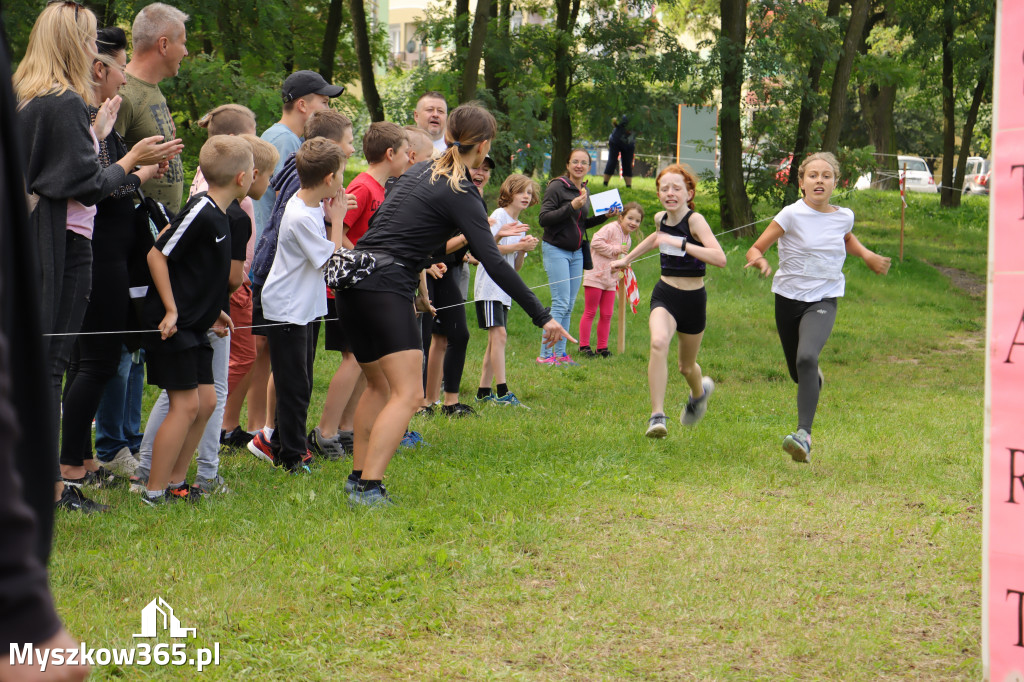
<point>632,290</point>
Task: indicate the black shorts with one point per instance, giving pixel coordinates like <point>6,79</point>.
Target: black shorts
<point>258,321</point>
<point>491,314</point>
<point>180,370</point>
<point>379,322</point>
<point>689,308</point>
<point>334,332</point>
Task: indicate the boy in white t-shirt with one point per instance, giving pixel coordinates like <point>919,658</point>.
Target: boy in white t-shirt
<point>518,193</point>
<point>293,293</point>
<point>814,238</point>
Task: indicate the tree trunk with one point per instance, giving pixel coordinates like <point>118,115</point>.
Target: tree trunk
<point>471,68</point>
<point>732,193</point>
<point>561,123</point>
<point>876,104</point>
<point>965,138</point>
<point>226,20</point>
<point>329,47</point>
<point>803,124</point>
<point>108,16</point>
<point>841,79</point>
<point>948,105</point>
<point>361,38</point>
<point>499,35</point>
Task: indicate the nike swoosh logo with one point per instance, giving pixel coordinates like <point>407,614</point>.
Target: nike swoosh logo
<point>220,239</point>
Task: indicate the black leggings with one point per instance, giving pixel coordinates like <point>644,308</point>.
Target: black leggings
<point>804,327</point>
<point>451,323</point>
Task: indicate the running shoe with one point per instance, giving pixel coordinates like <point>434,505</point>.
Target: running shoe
<point>101,478</point>
<point>307,459</point>
<point>350,484</point>
<point>374,497</point>
<point>211,486</point>
<point>184,493</point>
<point>347,441</point>
<point>137,483</point>
<point>73,499</point>
<point>123,465</point>
<point>657,426</point>
<point>153,501</point>
<point>330,449</point>
<point>566,361</point>
<point>411,439</point>
<point>425,411</point>
<point>489,398</point>
<point>586,352</point>
<point>260,447</point>
<point>509,399</point>
<point>603,352</point>
<point>696,407</point>
<point>550,361</point>
<point>457,410</point>
<point>235,438</point>
<point>798,446</point>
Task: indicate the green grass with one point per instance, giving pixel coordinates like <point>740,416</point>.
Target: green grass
<point>559,543</point>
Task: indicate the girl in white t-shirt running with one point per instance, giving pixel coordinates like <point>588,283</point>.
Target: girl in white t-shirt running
<point>814,238</point>
<point>518,193</point>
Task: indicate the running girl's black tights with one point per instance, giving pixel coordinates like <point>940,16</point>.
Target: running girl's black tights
<point>803,329</point>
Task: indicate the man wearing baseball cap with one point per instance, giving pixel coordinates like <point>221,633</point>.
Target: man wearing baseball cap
<point>302,93</point>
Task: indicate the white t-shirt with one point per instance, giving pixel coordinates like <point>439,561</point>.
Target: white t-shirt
<point>485,289</point>
<point>811,252</point>
<point>294,290</point>
<point>440,146</point>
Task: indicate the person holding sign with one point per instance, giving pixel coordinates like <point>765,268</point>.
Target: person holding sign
<point>814,238</point>
<point>563,215</point>
<point>679,300</point>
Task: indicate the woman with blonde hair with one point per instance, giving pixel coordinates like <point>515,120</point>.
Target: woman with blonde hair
<point>64,178</point>
<point>432,201</point>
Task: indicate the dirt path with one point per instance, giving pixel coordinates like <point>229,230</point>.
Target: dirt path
<point>964,281</point>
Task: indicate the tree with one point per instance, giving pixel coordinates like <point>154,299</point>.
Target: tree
<point>361,37</point>
<point>732,194</point>
<point>841,78</point>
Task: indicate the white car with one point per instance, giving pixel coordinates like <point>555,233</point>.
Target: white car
<point>976,177</point>
<point>919,176</point>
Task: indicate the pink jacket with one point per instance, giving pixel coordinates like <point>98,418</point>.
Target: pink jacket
<point>605,247</point>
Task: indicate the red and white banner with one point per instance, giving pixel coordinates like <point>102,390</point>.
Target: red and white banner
<point>1003,539</point>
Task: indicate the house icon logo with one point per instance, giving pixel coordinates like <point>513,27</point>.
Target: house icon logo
<point>159,612</point>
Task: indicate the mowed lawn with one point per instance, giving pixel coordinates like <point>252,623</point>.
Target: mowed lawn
<point>560,543</point>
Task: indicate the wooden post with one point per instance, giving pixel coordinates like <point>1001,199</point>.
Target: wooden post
<point>903,205</point>
<point>622,316</point>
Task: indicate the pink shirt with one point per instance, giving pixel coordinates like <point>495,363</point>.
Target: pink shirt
<point>81,217</point>
<point>605,247</point>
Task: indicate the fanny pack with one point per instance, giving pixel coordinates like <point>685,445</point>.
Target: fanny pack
<point>347,267</point>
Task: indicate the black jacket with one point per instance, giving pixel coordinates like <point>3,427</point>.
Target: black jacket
<point>565,226</point>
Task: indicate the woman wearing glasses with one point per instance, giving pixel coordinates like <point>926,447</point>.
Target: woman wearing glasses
<point>563,215</point>
<point>64,178</point>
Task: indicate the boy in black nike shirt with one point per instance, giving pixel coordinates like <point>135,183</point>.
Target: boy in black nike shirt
<point>190,264</point>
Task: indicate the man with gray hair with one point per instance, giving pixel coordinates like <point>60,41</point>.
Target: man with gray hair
<point>158,46</point>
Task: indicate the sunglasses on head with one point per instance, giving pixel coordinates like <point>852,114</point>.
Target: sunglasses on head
<point>77,5</point>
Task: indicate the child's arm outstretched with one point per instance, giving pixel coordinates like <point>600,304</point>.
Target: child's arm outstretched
<point>878,264</point>
<point>755,254</point>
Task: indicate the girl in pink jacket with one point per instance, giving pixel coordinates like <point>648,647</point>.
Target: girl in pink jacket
<point>610,243</point>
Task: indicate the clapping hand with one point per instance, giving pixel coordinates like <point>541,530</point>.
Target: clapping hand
<point>579,201</point>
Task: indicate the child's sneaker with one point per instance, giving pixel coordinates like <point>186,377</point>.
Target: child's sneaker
<point>550,361</point>
<point>153,501</point>
<point>510,399</point>
<point>347,440</point>
<point>73,499</point>
<point>123,464</point>
<point>586,352</point>
<point>798,446</point>
<point>603,352</point>
<point>565,361</point>
<point>457,410</point>
<point>411,439</point>
<point>211,486</point>
<point>696,407</point>
<point>329,448</point>
<point>101,478</point>
<point>425,411</point>
<point>657,426</point>
<point>184,493</point>
<point>137,483</point>
<point>260,447</point>
<point>489,398</point>
<point>235,438</point>
<point>374,497</point>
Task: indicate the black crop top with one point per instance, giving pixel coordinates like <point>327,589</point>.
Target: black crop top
<point>685,265</point>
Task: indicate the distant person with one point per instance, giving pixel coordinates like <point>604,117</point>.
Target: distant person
<point>431,116</point>
<point>421,147</point>
<point>814,238</point>
<point>679,300</point>
<point>622,142</point>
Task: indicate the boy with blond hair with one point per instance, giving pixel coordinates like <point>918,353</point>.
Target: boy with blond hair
<point>190,264</point>
<point>421,147</point>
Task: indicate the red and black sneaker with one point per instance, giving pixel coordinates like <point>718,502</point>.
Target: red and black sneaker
<point>260,447</point>
<point>184,493</point>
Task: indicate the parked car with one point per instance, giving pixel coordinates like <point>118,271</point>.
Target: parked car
<point>976,176</point>
<point>919,176</point>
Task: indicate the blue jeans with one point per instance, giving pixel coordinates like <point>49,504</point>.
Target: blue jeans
<point>119,416</point>
<point>565,273</point>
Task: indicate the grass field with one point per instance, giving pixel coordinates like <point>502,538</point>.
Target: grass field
<point>559,543</point>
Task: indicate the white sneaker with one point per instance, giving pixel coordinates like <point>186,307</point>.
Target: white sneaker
<point>696,407</point>
<point>123,465</point>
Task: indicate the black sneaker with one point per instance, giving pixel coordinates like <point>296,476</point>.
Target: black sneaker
<point>603,352</point>
<point>72,499</point>
<point>154,501</point>
<point>347,441</point>
<point>425,411</point>
<point>184,493</point>
<point>101,478</point>
<point>586,352</point>
<point>235,438</point>
<point>457,410</point>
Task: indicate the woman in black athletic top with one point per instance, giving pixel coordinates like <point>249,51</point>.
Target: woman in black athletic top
<point>430,203</point>
<point>679,300</point>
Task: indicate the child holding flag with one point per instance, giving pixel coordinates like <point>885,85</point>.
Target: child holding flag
<point>679,300</point>
<point>611,241</point>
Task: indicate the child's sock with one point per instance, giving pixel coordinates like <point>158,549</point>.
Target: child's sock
<point>363,485</point>
<point>268,432</point>
<point>176,485</point>
<point>502,389</point>
<point>355,476</point>
<point>483,392</point>
<point>74,482</point>
<point>154,494</point>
